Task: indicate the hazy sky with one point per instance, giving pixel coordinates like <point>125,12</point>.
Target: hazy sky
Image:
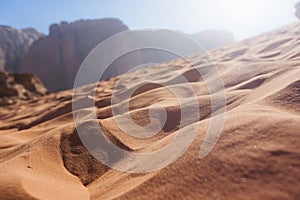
<point>244,18</point>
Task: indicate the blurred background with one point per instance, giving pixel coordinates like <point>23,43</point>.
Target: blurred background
<point>52,38</point>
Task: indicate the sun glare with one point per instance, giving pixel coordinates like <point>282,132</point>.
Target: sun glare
<point>243,11</point>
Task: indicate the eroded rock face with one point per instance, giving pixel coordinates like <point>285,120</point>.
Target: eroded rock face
<point>16,87</point>
<point>13,45</point>
<point>297,6</point>
<point>57,57</point>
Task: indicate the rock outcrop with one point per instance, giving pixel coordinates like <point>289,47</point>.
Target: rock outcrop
<point>211,39</point>
<point>15,87</point>
<point>57,57</point>
<point>13,45</point>
<point>297,6</point>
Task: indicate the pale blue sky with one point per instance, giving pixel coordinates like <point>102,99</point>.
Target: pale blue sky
<point>244,18</point>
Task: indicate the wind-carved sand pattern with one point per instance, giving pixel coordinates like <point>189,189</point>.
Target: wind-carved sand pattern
<point>157,117</point>
<point>256,157</point>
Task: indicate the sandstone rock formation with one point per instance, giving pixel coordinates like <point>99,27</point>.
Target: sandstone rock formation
<point>297,6</point>
<point>13,45</point>
<point>57,57</point>
<point>211,39</point>
<point>15,87</point>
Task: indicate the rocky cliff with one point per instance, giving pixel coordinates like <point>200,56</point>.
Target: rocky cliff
<point>13,45</point>
<point>57,57</point>
<point>15,87</point>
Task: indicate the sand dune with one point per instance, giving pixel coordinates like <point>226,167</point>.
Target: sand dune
<point>257,155</point>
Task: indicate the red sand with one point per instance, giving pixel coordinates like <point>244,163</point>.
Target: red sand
<point>256,157</point>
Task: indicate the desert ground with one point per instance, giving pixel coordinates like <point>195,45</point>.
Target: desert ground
<point>257,156</point>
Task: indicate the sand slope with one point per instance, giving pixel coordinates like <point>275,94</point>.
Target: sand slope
<point>256,157</point>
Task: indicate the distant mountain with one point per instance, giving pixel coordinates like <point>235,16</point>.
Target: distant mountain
<point>56,58</point>
<point>13,45</point>
<point>211,39</point>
